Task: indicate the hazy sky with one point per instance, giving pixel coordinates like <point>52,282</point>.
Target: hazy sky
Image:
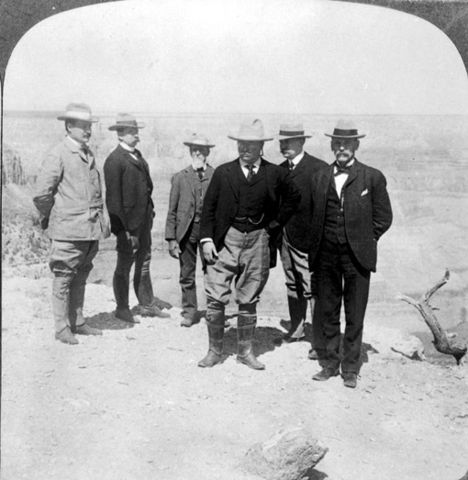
<point>249,56</point>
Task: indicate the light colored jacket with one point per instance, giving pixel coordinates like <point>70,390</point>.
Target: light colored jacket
<point>69,194</point>
<point>182,201</point>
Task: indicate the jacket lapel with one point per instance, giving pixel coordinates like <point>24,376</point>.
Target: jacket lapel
<point>234,177</point>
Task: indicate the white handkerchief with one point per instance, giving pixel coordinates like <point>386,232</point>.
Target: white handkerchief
<point>364,192</point>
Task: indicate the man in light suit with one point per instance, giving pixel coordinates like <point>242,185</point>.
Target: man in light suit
<point>188,188</point>
<point>295,242</point>
<point>351,212</point>
<point>69,199</point>
<point>131,210</point>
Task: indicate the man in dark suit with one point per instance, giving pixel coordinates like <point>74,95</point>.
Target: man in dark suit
<point>351,212</point>
<point>295,243</point>
<point>188,188</point>
<point>247,200</point>
<point>131,212</point>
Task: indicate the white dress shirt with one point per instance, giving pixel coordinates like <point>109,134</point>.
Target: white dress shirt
<point>340,178</point>
<point>295,161</point>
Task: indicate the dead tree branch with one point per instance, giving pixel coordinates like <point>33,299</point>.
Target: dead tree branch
<point>442,342</point>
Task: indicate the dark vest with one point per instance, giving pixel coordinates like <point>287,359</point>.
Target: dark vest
<point>334,228</point>
<point>252,199</point>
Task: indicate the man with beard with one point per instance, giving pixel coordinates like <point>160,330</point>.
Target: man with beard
<point>295,242</point>
<point>247,201</point>
<point>131,210</point>
<point>188,188</point>
<point>69,199</point>
<point>351,212</point>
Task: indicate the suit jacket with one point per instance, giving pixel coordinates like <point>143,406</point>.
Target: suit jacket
<point>367,212</point>
<point>299,224</point>
<point>182,201</point>
<point>222,201</point>
<point>69,194</point>
<point>128,190</point>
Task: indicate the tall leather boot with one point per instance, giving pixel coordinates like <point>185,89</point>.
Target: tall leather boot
<point>60,303</point>
<point>245,332</point>
<point>215,324</point>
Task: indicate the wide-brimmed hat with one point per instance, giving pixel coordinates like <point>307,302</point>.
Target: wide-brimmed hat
<point>291,130</point>
<point>251,132</point>
<point>125,120</point>
<point>198,140</point>
<point>345,129</point>
<point>78,111</point>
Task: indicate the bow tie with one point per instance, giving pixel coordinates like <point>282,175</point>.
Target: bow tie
<point>341,168</point>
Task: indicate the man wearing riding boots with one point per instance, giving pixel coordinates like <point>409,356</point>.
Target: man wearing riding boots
<point>246,203</point>
<point>131,211</point>
<point>295,241</point>
<point>351,212</point>
<point>69,199</point>
<point>188,188</point>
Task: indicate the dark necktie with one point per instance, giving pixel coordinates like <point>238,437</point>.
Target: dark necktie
<point>342,168</point>
<point>200,173</point>
<point>251,173</point>
<point>290,166</point>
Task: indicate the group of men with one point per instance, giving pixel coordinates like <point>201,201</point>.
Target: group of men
<point>324,219</point>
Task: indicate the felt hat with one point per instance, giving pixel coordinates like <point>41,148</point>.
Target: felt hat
<point>291,130</point>
<point>77,111</point>
<point>125,120</point>
<point>251,132</point>
<point>198,140</point>
<point>345,129</point>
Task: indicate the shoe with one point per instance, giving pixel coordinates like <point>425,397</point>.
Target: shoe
<point>187,322</point>
<point>313,354</point>
<point>251,361</point>
<point>152,311</point>
<point>325,374</point>
<point>126,315</point>
<point>66,336</point>
<point>349,379</point>
<point>211,359</point>
<point>161,304</point>
<point>86,330</point>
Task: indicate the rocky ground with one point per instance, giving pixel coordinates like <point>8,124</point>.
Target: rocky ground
<point>133,404</point>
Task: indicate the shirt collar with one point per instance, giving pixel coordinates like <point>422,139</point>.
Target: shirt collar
<point>126,147</point>
<point>75,144</point>
<point>195,169</point>
<point>256,164</point>
<point>297,159</point>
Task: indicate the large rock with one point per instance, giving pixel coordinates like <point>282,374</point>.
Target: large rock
<point>288,455</point>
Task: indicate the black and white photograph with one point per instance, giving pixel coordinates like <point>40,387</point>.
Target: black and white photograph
<point>234,240</point>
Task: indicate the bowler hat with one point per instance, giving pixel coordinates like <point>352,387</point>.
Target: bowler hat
<point>251,132</point>
<point>345,129</point>
<point>198,140</point>
<point>291,130</point>
<point>125,120</point>
<point>78,111</point>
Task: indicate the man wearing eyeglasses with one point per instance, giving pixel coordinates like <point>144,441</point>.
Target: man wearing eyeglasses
<point>247,202</point>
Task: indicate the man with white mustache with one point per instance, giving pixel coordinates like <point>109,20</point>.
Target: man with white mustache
<point>188,188</point>
<point>351,211</point>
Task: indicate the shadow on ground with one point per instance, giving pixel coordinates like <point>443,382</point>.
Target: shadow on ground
<point>107,321</point>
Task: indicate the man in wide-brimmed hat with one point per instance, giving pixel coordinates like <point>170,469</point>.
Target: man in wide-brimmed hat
<point>295,242</point>
<point>69,198</point>
<point>351,212</point>
<point>188,188</point>
<point>131,211</point>
<point>246,201</point>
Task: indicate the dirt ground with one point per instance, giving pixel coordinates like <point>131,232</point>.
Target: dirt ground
<point>133,404</point>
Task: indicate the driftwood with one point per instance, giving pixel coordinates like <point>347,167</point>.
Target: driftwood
<point>442,342</point>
